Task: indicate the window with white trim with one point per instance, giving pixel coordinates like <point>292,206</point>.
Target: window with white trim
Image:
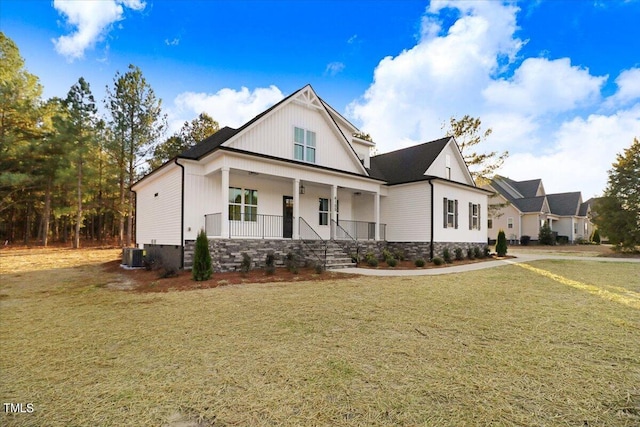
<point>323,212</point>
<point>490,223</point>
<point>447,166</point>
<point>450,213</point>
<point>304,145</point>
<point>510,223</point>
<point>243,204</point>
<point>474,216</point>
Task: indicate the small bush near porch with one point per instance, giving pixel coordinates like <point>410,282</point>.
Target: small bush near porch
<point>503,346</point>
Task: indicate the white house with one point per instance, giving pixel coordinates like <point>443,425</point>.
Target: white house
<point>296,178</point>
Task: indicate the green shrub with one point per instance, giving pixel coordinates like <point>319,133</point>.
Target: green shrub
<point>595,237</point>
<point>319,268</point>
<point>477,253</point>
<point>446,256</point>
<point>392,262</point>
<point>458,252</point>
<point>270,264</point>
<point>202,269</point>
<point>470,253</point>
<point>419,262</point>
<point>487,252</point>
<point>398,254</point>
<point>245,264</point>
<point>524,240</point>
<point>438,261</point>
<point>292,263</point>
<point>545,236</point>
<point>373,262</point>
<point>501,244</point>
<point>386,254</point>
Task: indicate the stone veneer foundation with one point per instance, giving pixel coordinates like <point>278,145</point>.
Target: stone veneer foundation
<point>226,254</point>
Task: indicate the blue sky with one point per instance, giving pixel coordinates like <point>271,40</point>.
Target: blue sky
<point>557,81</point>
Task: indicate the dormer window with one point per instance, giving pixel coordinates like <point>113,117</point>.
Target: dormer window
<point>304,145</point>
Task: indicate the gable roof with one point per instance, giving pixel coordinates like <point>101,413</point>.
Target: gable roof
<point>225,134</point>
<point>565,204</point>
<point>407,164</point>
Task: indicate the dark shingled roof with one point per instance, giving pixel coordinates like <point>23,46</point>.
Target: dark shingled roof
<point>209,144</point>
<point>408,164</point>
<point>564,203</point>
<point>529,204</point>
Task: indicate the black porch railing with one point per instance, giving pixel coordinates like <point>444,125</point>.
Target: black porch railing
<point>362,230</point>
<point>246,225</point>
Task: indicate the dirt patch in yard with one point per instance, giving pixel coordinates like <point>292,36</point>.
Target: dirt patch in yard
<point>141,280</point>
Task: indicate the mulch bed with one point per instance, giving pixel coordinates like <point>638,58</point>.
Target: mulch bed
<point>141,280</point>
<point>151,280</point>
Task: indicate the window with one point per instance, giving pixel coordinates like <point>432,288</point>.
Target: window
<point>323,212</point>
<point>509,223</point>
<point>490,223</point>
<point>474,216</point>
<point>243,204</point>
<point>304,145</point>
<point>450,211</point>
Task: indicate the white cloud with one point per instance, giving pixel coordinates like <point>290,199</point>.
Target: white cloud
<point>91,20</point>
<point>334,68</point>
<point>542,86</point>
<point>174,42</point>
<point>416,91</point>
<point>628,87</point>
<point>581,153</point>
<point>227,106</point>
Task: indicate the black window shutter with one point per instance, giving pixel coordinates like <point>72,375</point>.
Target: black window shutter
<point>479,222</point>
<point>456,216</point>
<point>445,211</point>
<point>470,215</point>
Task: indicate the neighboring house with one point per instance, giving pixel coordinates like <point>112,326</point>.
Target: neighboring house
<point>525,207</point>
<point>296,179</point>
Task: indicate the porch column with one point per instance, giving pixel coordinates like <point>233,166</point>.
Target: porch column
<point>334,210</point>
<point>376,213</point>
<point>296,209</point>
<point>224,194</point>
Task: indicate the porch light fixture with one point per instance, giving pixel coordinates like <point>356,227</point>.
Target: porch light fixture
<point>301,189</point>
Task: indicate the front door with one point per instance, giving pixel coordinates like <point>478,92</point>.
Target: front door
<point>287,215</point>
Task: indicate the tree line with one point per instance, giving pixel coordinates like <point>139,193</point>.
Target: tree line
<point>65,168</point>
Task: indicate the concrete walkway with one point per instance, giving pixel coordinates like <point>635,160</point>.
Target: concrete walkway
<point>520,257</point>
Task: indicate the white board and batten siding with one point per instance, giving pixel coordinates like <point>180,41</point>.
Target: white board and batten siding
<point>159,206</point>
<point>450,158</point>
<point>464,196</point>
<point>274,136</point>
<point>407,222</point>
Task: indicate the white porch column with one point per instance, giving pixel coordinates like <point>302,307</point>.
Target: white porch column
<point>334,210</point>
<point>224,193</point>
<point>296,209</point>
<point>376,213</point>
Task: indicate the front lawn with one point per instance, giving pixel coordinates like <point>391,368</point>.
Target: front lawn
<point>502,346</point>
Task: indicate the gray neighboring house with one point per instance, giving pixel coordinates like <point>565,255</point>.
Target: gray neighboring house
<point>528,207</point>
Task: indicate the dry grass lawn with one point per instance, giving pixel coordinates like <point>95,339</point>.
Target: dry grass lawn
<point>502,346</point>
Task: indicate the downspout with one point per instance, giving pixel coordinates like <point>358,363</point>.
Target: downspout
<point>431,245</point>
<point>135,218</point>
<point>181,214</point>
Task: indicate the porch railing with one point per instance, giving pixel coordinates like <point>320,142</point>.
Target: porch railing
<point>246,225</point>
<point>362,230</point>
<point>352,246</point>
<point>314,243</point>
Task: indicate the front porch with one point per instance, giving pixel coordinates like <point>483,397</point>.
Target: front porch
<point>260,226</point>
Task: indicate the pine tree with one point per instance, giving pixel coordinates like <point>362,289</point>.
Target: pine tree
<point>202,269</point>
